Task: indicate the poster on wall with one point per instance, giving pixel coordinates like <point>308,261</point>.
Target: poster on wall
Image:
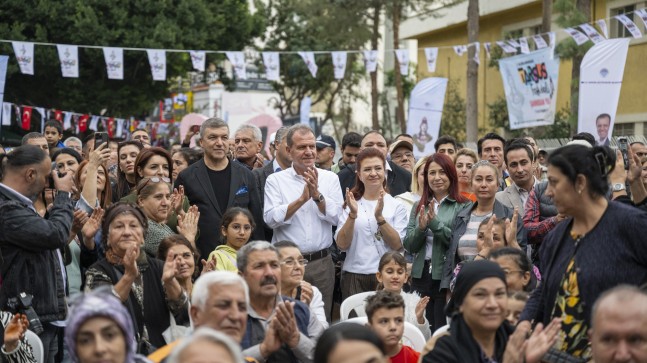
<point>600,80</point>
<point>530,84</point>
<point>425,110</point>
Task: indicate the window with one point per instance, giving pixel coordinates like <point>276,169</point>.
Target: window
<point>618,30</point>
<point>623,129</point>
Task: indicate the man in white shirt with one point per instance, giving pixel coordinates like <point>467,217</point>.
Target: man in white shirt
<point>302,203</point>
<point>519,157</point>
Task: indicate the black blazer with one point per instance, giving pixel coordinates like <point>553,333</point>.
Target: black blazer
<point>197,187</point>
<point>260,175</point>
<point>398,180</point>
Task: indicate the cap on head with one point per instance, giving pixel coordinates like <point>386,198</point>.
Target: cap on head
<point>400,143</point>
<point>324,141</point>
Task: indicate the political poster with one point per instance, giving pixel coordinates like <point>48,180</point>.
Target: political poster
<point>530,85</point>
<point>425,111</point>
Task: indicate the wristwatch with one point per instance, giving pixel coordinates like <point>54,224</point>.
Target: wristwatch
<point>320,199</point>
<point>617,187</point>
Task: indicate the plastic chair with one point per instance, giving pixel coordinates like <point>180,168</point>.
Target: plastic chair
<point>36,345</point>
<point>354,302</point>
<point>441,330</point>
<point>412,336</point>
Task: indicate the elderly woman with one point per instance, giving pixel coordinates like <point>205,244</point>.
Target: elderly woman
<point>99,330</point>
<point>372,223</point>
<point>596,248</point>
<point>430,230</point>
<point>146,286</point>
<point>479,331</point>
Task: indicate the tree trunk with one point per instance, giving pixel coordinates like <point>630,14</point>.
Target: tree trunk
<point>472,71</point>
<point>375,37</point>
<point>546,16</point>
<point>399,112</point>
<point>583,6</point>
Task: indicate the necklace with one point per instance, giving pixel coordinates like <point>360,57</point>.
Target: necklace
<point>377,235</point>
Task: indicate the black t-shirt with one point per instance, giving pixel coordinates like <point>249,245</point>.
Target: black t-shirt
<point>220,181</point>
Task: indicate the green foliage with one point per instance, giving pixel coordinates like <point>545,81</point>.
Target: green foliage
<point>162,24</point>
<point>454,117</point>
<point>498,118</point>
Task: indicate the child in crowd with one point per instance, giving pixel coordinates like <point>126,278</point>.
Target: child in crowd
<point>236,229</point>
<point>520,274</point>
<point>516,302</point>
<point>392,275</point>
<point>385,312</point>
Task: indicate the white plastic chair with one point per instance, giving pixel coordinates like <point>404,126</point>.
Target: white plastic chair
<point>441,330</point>
<point>354,302</point>
<point>36,345</point>
<point>412,335</point>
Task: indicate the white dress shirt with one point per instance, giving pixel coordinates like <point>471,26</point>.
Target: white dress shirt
<point>363,255</point>
<point>308,227</point>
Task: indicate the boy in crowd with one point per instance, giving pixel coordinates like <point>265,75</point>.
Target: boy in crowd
<point>54,134</point>
<point>385,312</point>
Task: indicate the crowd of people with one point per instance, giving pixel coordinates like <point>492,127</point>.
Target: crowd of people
<point>124,251</point>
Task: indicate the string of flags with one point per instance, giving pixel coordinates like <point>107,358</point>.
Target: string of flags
<point>115,127</point>
<point>114,56</point>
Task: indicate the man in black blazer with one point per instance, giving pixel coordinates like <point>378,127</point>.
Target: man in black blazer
<point>398,180</point>
<point>215,184</point>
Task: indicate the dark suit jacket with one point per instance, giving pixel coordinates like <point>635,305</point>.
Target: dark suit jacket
<point>398,180</point>
<point>260,175</point>
<point>197,187</point>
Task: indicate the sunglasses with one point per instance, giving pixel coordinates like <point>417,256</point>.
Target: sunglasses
<point>154,179</point>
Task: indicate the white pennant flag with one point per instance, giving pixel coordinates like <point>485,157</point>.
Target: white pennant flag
<point>237,60</point>
<point>539,41</point>
<point>577,36</point>
<point>120,127</point>
<point>69,57</point>
<point>157,60</point>
<point>272,65</point>
<point>114,62</point>
<point>67,120</point>
<point>460,50</point>
<point>592,33</point>
<point>477,52</point>
<point>309,60</point>
<point>523,42</point>
<point>514,43</point>
<point>43,117</point>
<point>602,24</point>
<point>642,13</point>
<point>432,56</point>
<point>551,43</point>
<point>339,63</point>
<point>94,123</point>
<point>6,114</point>
<point>304,110</point>
<point>403,59</point>
<point>25,56</point>
<point>630,25</point>
<point>198,59</point>
<point>370,60</point>
<point>506,48</point>
<point>487,47</point>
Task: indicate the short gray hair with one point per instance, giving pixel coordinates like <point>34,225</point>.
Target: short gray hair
<point>212,336</point>
<point>202,285</point>
<point>256,132</point>
<point>280,133</point>
<point>298,128</point>
<point>72,138</point>
<point>212,123</point>
<point>243,254</point>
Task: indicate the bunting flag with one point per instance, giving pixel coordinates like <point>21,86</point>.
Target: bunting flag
<point>506,48</point>
<point>120,126</point>
<point>110,127</point>
<point>642,13</point>
<point>593,34</point>
<point>514,43</point>
<point>83,123</point>
<point>25,56</point>
<point>94,123</point>
<point>272,65</point>
<point>67,120</point>
<point>26,118</point>
<point>432,56</point>
<point>523,43</point>
<point>551,42</point>
<point>69,57</point>
<point>157,60</point>
<point>539,41</point>
<point>304,110</point>
<point>6,114</point>
<point>370,60</point>
<point>339,62</point>
<point>41,111</point>
<point>198,59</point>
<point>114,62</point>
<point>487,47</point>
<point>58,116</point>
<point>577,36</point>
<point>460,50</point>
<point>477,52</point>
<point>602,24</point>
<point>630,25</point>
<point>309,60</point>
<point>403,60</point>
<point>237,60</point>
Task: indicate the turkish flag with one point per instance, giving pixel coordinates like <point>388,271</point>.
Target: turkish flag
<point>83,123</point>
<point>111,124</point>
<point>26,118</point>
<point>58,116</point>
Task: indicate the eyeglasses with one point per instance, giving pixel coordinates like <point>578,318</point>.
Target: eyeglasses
<point>154,179</point>
<point>291,263</point>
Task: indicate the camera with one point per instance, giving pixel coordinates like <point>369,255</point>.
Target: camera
<point>22,304</point>
<point>51,180</point>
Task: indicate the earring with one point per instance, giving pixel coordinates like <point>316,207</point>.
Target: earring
<point>580,191</point>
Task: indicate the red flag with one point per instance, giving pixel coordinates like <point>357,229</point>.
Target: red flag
<point>58,115</point>
<point>26,118</point>
<point>83,123</point>
<point>111,123</point>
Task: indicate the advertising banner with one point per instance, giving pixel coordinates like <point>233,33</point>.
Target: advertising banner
<point>425,110</point>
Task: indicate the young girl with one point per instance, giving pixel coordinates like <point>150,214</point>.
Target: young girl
<point>516,302</point>
<point>237,226</point>
<point>520,274</point>
<point>392,275</point>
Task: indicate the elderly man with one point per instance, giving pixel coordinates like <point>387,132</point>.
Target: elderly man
<point>74,143</point>
<point>401,153</point>
<point>279,329</point>
<point>248,140</point>
<point>619,326</point>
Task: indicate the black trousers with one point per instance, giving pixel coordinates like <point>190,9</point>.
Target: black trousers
<point>426,286</point>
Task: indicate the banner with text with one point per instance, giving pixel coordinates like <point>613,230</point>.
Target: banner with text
<point>530,84</point>
<point>425,110</point>
<point>600,80</point>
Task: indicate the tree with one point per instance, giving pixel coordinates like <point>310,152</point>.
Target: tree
<point>377,6</point>
<point>155,24</point>
<point>454,115</point>
<point>546,15</point>
<point>472,70</point>
<point>498,116</point>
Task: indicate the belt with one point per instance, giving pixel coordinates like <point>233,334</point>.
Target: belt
<point>316,255</point>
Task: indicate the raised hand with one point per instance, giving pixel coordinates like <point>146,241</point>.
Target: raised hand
<point>187,223</point>
<point>306,292</point>
<point>100,155</point>
<point>541,339</point>
<point>421,306</point>
<point>488,238</point>
<point>80,218</point>
<point>130,261</point>
<point>91,227</point>
<point>15,331</point>
<point>208,266</point>
<point>311,176</point>
<point>286,324</point>
<point>511,229</point>
<point>351,202</point>
<point>260,161</point>
<point>515,350</point>
<point>272,342</point>
<point>177,198</point>
<point>379,207</point>
<point>171,267</point>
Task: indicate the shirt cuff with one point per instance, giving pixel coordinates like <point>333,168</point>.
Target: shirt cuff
<point>13,351</point>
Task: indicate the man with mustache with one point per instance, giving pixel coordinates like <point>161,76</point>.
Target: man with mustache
<point>519,157</point>
<point>279,328</point>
